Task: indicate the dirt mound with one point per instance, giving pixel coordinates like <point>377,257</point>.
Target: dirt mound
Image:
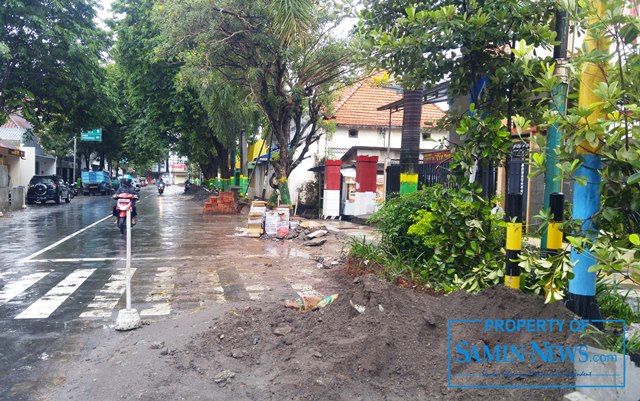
<point>199,193</point>
<point>376,342</point>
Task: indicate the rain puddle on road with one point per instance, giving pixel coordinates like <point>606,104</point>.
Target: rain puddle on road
<point>283,251</point>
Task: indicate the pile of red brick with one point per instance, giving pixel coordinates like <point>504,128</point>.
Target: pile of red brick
<point>224,203</point>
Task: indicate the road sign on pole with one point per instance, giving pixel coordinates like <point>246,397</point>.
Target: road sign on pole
<point>94,135</point>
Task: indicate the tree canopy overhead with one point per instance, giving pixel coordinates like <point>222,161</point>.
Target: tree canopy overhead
<point>50,55</point>
<point>280,52</point>
<point>425,42</point>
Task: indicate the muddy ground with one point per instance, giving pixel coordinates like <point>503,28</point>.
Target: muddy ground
<point>395,350</point>
<point>375,342</point>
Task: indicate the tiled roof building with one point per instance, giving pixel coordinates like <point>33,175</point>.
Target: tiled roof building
<point>357,106</point>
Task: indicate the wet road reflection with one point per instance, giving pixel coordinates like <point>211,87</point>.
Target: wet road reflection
<point>55,299</point>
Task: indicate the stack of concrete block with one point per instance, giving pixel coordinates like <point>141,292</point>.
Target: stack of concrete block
<point>223,203</point>
<point>256,218</point>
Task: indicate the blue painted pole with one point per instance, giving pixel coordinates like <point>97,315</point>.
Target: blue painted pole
<point>586,198</point>
<point>586,202</point>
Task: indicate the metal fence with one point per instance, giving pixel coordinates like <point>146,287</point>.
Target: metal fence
<point>432,173</point>
<point>429,174</point>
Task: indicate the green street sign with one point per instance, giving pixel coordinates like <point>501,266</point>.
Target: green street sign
<point>93,135</point>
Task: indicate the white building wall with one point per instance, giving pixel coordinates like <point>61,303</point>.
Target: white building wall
<point>13,167</point>
<point>301,175</point>
<point>372,137</point>
<point>27,167</point>
<point>47,166</point>
<point>369,137</point>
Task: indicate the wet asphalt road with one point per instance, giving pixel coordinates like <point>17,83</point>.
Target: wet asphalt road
<point>62,276</point>
<point>51,299</point>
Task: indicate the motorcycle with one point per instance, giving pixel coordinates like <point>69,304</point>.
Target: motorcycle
<point>123,204</point>
<point>160,189</point>
<point>187,186</point>
<point>73,190</point>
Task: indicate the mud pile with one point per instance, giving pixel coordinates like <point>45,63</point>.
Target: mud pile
<point>199,193</point>
<point>375,342</point>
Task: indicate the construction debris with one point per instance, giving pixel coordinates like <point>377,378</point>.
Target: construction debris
<point>223,203</point>
<point>308,302</point>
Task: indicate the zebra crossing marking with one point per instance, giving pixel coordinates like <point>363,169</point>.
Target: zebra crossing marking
<point>303,289</point>
<point>45,306</point>
<point>108,297</point>
<point>256,291</point>
<point>161,296</point>
<point>218,290</point>
<point>13,289</point>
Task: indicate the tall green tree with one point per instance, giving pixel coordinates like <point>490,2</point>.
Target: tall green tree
<point>154,104</point>
<point>280,52</point>
<point>469,43</point>
<point>50,56</point>
<point>225,110</point>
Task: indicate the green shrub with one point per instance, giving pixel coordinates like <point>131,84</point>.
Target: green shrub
<point>448,236</point>
<point>394,219</point>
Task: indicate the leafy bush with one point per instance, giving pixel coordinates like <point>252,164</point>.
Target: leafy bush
<point>394,219</point>
<point>449,236</point>
<point>613,305</point>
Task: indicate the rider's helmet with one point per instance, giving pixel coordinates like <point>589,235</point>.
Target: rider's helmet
<point>127,180</point>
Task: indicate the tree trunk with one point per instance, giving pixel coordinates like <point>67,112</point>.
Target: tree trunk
<point>214,167</point>
<point>223,159</point>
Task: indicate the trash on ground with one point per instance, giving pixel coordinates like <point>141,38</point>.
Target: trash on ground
<point>359,308</point>
<point>310,224</point>
<point>316,242</point>
<point>311,302</point>
<point>240,232</point>
<point>317,234</point>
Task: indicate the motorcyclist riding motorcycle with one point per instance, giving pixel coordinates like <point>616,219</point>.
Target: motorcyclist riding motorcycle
<point>160,185</point>
<point>127,186</point>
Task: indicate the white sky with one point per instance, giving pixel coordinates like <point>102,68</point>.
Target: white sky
<point>105,13</point>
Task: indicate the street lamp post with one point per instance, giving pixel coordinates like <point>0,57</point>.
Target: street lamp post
<point>73,178</point>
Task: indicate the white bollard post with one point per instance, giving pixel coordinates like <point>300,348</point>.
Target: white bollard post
<point>128,262</point>
<point>128,319</point>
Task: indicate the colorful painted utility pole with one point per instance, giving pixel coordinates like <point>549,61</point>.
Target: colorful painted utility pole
<point>559,94</point>
<point>410,145</point>
<point>586,198</point>
<point>514,240</point>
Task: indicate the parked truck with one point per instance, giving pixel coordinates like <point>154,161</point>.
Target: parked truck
<point>96,182</point>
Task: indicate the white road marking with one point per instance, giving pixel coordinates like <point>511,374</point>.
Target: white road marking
<point>305,289</point>
<point>150,258</point>
<point>40,252</point>
<point>157,310</point>
<point>161,295</point>
<point>14,288</point>
<point>52,300</point>
<point>218,291</point>
<point>108,297</point>
<point>72,260</point>
<point>256,291</point>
